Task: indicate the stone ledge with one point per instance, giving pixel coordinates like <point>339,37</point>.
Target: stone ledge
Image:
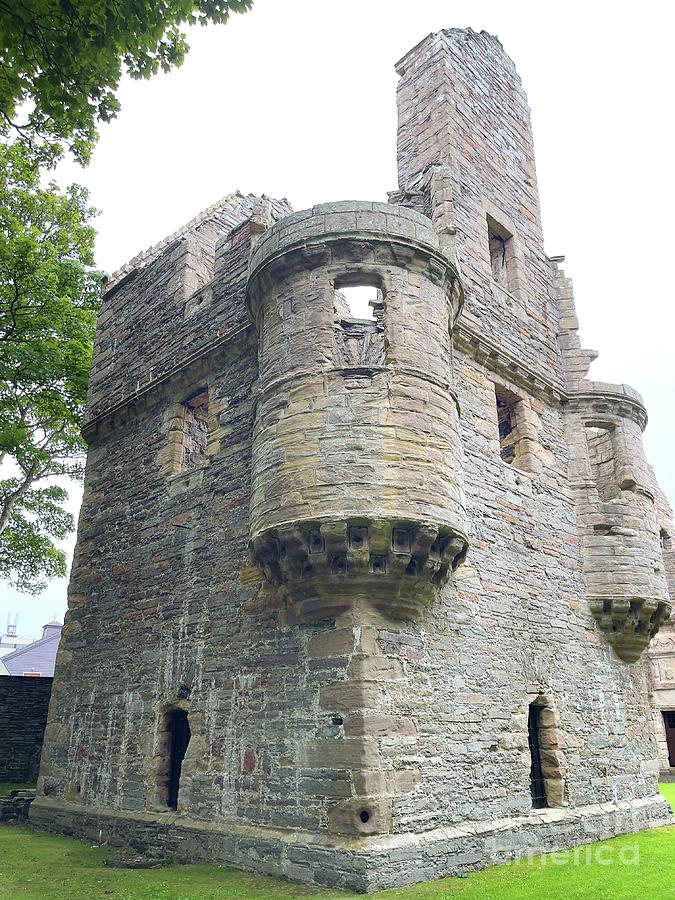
<point>144,392</point>
<point>366,371</point>
<point>351,218</point>
<point>498,360</point>
<point>14,807</point>
<point>598,398</point>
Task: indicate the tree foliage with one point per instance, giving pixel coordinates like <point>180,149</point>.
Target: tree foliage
<point>49,296</point>
<point>66,57</point>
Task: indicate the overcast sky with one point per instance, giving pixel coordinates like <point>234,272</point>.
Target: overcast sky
<point>296,99</point>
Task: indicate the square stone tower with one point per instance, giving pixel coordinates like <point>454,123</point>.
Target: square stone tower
<point>362,600</point>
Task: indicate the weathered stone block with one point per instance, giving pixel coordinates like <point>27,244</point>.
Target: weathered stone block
<point>347,753</point>
<point>360,816</point>
<point>373,724</point>
<point>342,696</point>
<point>336,642</point>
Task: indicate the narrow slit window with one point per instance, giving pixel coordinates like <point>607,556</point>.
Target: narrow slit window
<point>177,736</point>
<point>669,725</point>
<point>502,255</point>
<point>196,430</point>
<point>537,786</point>
<point>506,422</point>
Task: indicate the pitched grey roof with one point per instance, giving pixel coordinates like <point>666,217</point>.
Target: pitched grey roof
<point>39,656</point>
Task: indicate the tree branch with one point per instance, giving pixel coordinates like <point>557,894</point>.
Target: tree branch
<point>13,497</point>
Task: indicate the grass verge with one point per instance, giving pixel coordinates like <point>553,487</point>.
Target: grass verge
<point>35,864</point>
<point>7,786</point>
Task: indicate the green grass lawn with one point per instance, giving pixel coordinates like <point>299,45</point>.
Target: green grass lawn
<point>7,786</point>
<point>668,791</point>
<point>34,864</point>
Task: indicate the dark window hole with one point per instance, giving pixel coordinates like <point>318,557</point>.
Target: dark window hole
<point>178,740</point>
<point>315,542</point>
<point>339,565</point>
<point>401,539</point>
<point>378,565</point>
<point>537,787</point>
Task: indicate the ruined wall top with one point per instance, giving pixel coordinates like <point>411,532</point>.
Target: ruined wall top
<point>218,218</point>
<point>172,301</point>
<point>345,218</point>
<point>466,157</point>
<point>468,109</point>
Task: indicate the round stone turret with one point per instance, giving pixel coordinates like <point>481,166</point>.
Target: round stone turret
<point>626,584</point>
<point>357,485</point>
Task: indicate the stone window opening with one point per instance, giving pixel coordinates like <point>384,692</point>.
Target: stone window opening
<point>537,788</point>
<point>175,737</point>
<point>665,540</point>
<point>502,255</point>
<point>358,320</point>
<point>359,301</point>
<point>547,762</point>
<point>603,463</point>
<point>196,431</point>
<point>518,426</point>
<point>189,432</point>
<point>508,423</point>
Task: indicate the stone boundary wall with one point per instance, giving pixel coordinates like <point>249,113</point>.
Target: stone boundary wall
<point>15,807</point>
<point>24,702</point>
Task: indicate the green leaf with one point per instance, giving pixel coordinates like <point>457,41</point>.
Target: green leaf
<point>49,297</point>
<point>68,59</point>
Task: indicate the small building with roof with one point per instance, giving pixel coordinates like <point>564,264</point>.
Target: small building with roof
<point>38,658</point>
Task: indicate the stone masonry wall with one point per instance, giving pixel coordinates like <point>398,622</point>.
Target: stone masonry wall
<point>344,744</point>
<point>166,310</point>
<point>662,649</point>
<point>461,106</point>
<point>24,702</point>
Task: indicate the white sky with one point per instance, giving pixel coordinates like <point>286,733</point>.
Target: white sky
<point>296,99</point>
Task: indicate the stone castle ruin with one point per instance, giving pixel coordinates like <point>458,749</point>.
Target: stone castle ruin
<point>376,589</point>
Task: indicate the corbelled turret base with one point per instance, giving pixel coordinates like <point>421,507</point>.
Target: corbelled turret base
<point>319,569</point>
